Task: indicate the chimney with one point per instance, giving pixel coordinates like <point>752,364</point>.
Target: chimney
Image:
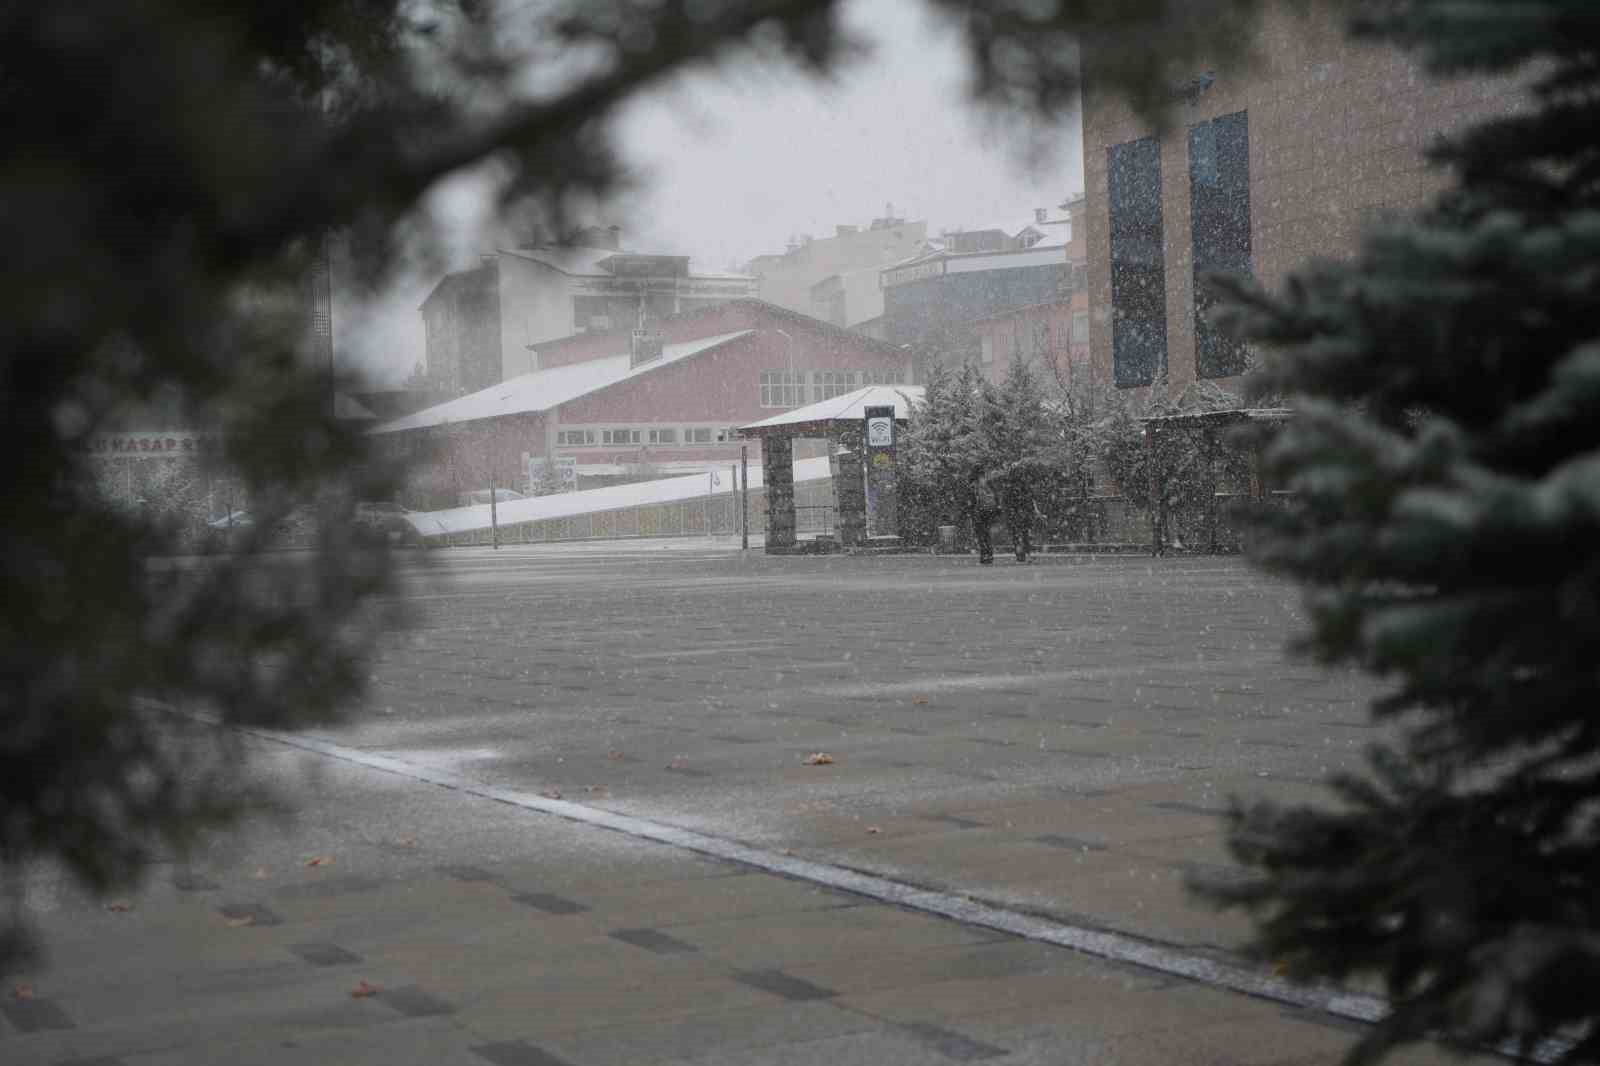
<point>614,238</point>
<point>1038,214</point>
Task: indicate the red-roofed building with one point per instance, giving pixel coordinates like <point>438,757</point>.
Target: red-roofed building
<point>624,405</point>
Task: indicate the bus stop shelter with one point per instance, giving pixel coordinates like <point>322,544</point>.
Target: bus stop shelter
<point>840,421</point>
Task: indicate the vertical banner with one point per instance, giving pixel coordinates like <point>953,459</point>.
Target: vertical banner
<point>879,437</point>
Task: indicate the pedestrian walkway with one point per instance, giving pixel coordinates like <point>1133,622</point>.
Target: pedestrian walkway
<point>401,922</point>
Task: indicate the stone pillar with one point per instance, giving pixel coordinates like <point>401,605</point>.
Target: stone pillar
<point>777,471</point>
<point>849,493</point>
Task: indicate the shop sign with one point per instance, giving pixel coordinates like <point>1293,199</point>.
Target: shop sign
<point>170,444</point>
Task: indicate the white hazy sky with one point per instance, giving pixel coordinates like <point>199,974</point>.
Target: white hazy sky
<point>734,164</point>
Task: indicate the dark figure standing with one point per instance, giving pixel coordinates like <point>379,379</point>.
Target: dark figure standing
<point>1016,502</point>
<point>983,508</point>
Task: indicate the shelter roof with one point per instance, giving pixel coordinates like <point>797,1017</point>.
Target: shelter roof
<point>813,419</point>
<point>1234,414</point>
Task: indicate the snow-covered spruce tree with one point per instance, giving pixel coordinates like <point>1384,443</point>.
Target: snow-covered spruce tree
<point>1446,461</point>
<point>942,454</point>
<point>1020,450</point>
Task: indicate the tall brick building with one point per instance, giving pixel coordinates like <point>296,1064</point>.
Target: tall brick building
<point>1257,173</point>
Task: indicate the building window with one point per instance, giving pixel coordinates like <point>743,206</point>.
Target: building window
<point>880,377</point>
<point>590,313</point>
<point>619,436</point>
<point>1219,204</point>
<point>782,388</point>
<point>575,436</point>
<point>826,384</point>
<point>1080,327</point>
<point>986,350</point>
<point>1041,339</point>
<point>697,435</point>
<point>1138,266</point>
<point>663,436</point>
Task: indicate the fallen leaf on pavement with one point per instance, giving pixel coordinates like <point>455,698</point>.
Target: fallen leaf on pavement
<point>242,920</point>
<point>550,793</point>
<point>119,906</point>
<point>22,990</point>
<point>321,860</point>
<point>615,756</point>
<point>873,829</point>
<point>679,762</point>
<point>819,758</point>
<point>406,842</point>
<point>260,874</point>
<point>919,699</point>
<point>596,790</point>
<point>363,990</point>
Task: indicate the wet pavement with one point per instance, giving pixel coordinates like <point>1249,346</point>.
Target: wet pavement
<point>1053,740</point>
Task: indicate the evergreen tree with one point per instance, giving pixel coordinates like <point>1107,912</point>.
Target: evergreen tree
<point>1020,453</point>
<point>549,482</point>
<point>1445,460</point>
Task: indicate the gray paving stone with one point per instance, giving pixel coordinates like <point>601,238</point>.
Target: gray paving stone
<point>953,1045</point>
<point>548,903</point>
<point>653,940</point>
<point>413,1002</point>
<point>324,954</point>
<point>256,914</point>
<point>517,1053</point>
<point>785,985</point>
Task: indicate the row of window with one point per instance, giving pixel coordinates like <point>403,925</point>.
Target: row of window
<point>646,435</point>
<point>1036,342</point>
<point>788,388</point>
<point>1219,202</point>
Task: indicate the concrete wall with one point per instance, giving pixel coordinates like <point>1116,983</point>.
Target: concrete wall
<point>786,279</point>
<point>535,305</point>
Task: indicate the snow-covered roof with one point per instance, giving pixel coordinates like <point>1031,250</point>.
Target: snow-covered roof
<point>587,262</point>
<point>850,406</point>
<point>351,409</point>
<point>610,498</point>
<point>568,260</point>
<point>544,389</point>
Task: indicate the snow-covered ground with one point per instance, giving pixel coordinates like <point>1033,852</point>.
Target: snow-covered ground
<point>610,498</point>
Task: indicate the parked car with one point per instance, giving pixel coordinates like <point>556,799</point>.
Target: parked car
<point>233,520</point>
<point>387,520</point>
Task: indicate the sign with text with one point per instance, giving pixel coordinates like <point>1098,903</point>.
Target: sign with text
<point>915,272</point>
<point>164,444</point>
<point>880,426</point>
<point>878,433</point>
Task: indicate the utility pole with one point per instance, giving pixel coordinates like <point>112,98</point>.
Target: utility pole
<point>744,492</point>
<point>494,513</point>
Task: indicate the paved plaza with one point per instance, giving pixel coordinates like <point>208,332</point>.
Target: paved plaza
<point>466,881</point>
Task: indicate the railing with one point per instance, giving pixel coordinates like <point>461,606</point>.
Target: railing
<point>817,518</point>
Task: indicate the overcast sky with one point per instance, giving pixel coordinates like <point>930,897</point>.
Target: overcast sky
<point>735,164</point>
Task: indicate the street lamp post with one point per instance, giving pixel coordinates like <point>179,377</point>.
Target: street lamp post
<point>793,382</point>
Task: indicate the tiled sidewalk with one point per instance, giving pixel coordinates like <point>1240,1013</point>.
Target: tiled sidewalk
<point>489,935</point>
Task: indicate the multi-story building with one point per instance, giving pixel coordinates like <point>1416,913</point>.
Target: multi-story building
<point>622,404</point>
<point>461,320</point>
<point>788,279</point>
<point>931,302</point>
<point>482,324</point>
<point>1257,174</point>
<point>1052,335</point>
